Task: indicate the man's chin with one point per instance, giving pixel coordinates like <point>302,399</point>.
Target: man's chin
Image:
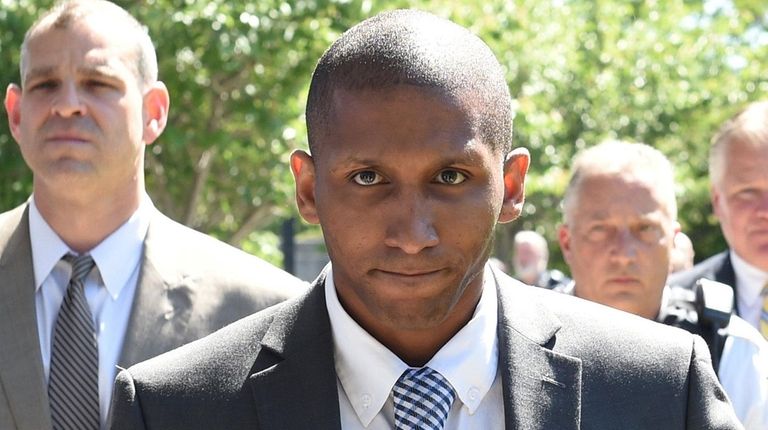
<point>414,319</point>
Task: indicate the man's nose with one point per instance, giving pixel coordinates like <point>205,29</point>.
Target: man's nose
<point>623,246</point>
<point>68,101</point>
<point>411,227</point>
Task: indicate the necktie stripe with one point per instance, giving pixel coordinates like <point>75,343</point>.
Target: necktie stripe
<point>73,385</point>
<point>71,346</point>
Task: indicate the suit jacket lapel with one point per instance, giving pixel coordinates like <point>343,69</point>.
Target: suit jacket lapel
<point>542,388</point>
<point>293,380</point>
<point>21,365</point>
<point>162,302</point>
<point>724,273</point>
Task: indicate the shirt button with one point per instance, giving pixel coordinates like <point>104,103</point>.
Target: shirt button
<point>366,398</point>
<point>473,394</point>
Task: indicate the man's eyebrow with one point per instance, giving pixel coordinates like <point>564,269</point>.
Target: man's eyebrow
<point>97,69</point>
<point>39,72</point>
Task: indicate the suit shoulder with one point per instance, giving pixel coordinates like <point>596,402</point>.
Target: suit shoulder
<point>10,222</point>
<point>11,218</point>
<point>588,327</point>
<point>218,263</point>
<point>222,354</point>
<point>704,269</point>
<point>607,321</point>
<point>605,337</point>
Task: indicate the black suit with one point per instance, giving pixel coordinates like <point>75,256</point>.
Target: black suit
<point>565,364</point>
<point>717,268</point>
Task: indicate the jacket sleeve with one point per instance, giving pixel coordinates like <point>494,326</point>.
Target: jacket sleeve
<point>125,411</point>
<point>708,405</point>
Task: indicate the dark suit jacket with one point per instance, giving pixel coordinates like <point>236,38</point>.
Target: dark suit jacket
<point>189,286</point>
<point>717,268</point>
<point>565,364</point>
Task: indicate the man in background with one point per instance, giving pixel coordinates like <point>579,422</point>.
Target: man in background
<point>530,256</point>
<point>682,254</point>
<point>620,219</point>
<point>93,275</point>
<point>739,192</point>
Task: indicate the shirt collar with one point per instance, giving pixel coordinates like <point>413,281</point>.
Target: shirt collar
<point>749,278</point>
<point>468,361</point>
<point>116,256</point>
<point>47,246</point>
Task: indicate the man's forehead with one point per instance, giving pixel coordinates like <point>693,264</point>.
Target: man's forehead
<point>617,189</point>
<point>99,50</point>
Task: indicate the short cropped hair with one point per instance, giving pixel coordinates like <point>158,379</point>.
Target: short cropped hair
<point>66,13</point>
<point>534,239</point>
<point>749,126</point>
<point>620,157</point>
<point>411,47</point>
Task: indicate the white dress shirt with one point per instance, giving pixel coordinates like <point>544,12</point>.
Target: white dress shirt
<point>109,288</point>
<point>366,370</point>
<point>749,285</point>
<point>744,373</point>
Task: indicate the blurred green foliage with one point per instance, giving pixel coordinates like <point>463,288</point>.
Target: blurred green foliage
<point>666,73</point>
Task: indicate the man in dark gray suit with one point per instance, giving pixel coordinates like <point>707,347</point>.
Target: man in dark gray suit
<point>411,167</point>
<point>739,193</point>
<point>88,104</point>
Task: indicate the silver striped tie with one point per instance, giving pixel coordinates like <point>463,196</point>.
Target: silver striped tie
<point>73,384</point>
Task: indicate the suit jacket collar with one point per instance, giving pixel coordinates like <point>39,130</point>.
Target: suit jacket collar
<point>294,380</point>
<point>21,365</point>
<point>724,273</point>
<point>541,387</point>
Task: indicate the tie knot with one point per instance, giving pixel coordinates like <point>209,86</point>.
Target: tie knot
<point>423,399</point>
<point>81,266</point>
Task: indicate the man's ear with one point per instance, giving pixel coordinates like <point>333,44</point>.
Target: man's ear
<point>13,108</point>
<point>303,168</point>
<point>676,229</point>
<point>564,237</point>
<point>715,197</point>
<point>156,105</point>
<point>515,168</point>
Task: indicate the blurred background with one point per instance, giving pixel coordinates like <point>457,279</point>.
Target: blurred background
<point>665,72</point>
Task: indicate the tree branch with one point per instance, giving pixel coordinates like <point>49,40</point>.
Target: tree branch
<point>257,219</point>
<point>202,171</point>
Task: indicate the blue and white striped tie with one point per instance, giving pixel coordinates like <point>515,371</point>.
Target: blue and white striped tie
<point>73,383</point>
<point>423,400</point>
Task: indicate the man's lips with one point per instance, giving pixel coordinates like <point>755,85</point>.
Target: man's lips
<point>755,230</point>
<point>623,280</point>
<point>67,138</point>
<point>409,272</point>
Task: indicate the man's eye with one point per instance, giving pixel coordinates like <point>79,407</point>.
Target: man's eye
<point>97,84</point>
<point>367,177</point>
<point>451,177</point>
<point>43,85</point>
<point>748,194</point>
<point>597,233</point>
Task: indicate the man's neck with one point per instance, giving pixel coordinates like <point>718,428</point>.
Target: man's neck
<point>417,346</point>
<point>84,222</point>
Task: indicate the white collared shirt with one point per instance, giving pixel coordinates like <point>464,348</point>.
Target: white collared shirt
<point>109,288</point>
<point>366,370</point>
<point>749,285</point>
<point>743,372</point>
